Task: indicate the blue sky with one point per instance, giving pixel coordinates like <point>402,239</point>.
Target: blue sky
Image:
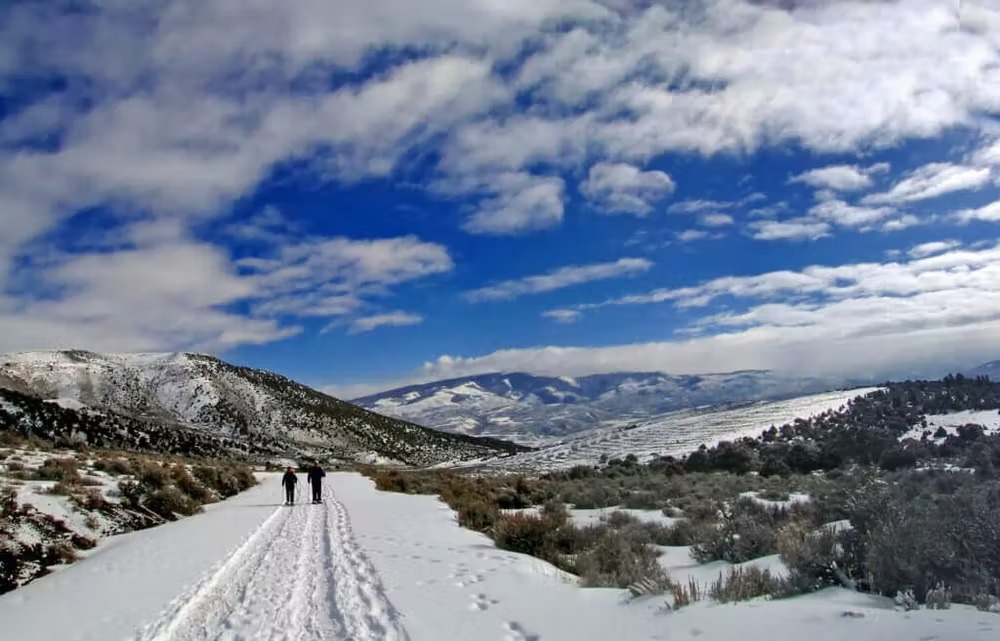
<point>364,194</point>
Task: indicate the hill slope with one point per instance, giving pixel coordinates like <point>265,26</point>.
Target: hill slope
<point>991,369</point>
<point>524,407</point>
<point>198,394</point>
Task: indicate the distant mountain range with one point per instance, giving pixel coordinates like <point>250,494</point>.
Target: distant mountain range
<point>527,408</point>
<point>991,369</point>
<point>208,404</point>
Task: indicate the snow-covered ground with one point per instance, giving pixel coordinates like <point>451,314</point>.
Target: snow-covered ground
<point>676,434</point>
<point>372,566</point>
<point>989,419</point>
<point>584,518</point>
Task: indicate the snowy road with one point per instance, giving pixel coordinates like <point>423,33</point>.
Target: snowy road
<point>300,576</point>
<point>365,566</point>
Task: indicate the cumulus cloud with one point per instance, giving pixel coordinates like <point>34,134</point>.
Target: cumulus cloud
<point>187,294</point>
<point>837,178</point>
<point>933,180</point>
<point>560,278</point>
<point>624,188</point>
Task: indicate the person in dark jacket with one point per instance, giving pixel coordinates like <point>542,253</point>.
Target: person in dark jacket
<point>289,481</point>
<point>315,479</point>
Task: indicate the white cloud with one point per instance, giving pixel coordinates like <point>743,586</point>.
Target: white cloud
<point>903,222</point>
<point>174,111</point>
<point>623,188</point>
<point>560,278</point>
<point>935,247</point>
<point>988,155</point>
<point>855,319</point>
<point>836,177</point>
<point>176,294</point>
<point>689,235</point>
<point>562,315</point>
<point>716,220</point>
<point>931,181</point>
<point>988,213</point>
<point>157,292</point>
<point>390,319</point>
<point>695,206</point>
<point>793,229</point>
<point>522,203</point>
<point>843,215</point>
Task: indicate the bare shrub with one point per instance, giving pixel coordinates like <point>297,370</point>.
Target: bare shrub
<point>528,534</point>
<point>745,583</point>
<point>131,493</point>
<point>169,501</point>
<point>619,561</point>
<point>59,469</point>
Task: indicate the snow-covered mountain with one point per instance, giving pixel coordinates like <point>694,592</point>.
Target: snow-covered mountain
<point>526,408</point>
<point>991,369</point>
<point>194,392</point>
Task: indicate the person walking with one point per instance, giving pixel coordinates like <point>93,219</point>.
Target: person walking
<point>289,481</point>
<point>315,479</point>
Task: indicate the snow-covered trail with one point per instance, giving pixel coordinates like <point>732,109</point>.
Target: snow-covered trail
<point>301,576</point>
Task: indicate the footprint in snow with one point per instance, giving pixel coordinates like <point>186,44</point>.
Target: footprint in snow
<point>516,632</point>
<point>481,602</point>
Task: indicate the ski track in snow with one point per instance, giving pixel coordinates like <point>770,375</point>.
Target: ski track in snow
<point>300,576</point>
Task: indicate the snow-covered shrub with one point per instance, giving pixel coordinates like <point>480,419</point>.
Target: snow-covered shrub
<point>813,556</point>
<point>682,532</point>
<point>907,541</point>
<point>986,602</point>
<point>906,600</point>
<point>746,531</point>
<point>938,598</point>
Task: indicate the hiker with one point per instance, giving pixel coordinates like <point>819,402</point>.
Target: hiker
<point>315,478</point>
<point>288,481</point>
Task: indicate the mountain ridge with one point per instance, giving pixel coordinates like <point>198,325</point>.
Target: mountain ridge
<point>525,407</point>
<point>201,392</point>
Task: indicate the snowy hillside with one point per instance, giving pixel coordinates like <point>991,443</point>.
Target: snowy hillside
<point>370,566</point>
<point>678,433</point>
<point>193,391</point>
<point>527,408</point>
<point>991,369</point>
